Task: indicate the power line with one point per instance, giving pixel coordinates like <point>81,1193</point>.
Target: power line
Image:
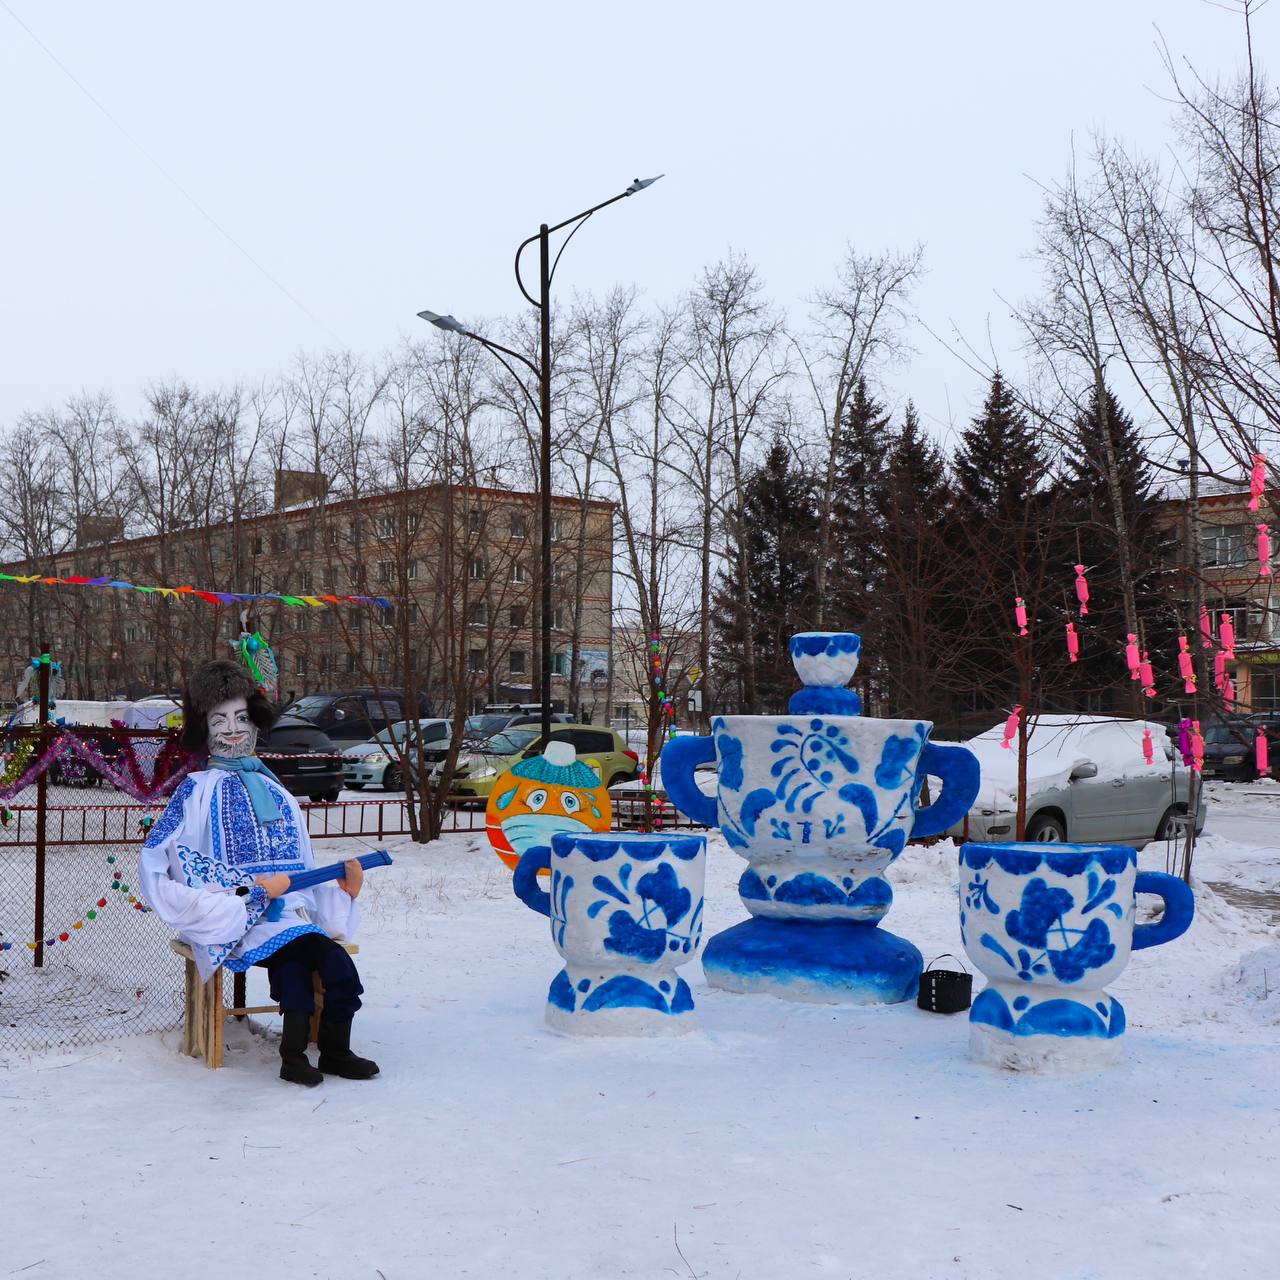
<point>168,177</point>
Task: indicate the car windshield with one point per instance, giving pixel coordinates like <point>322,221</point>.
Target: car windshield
<point>510,743</point>
<point>485,726</point>
<point>308,708</point>
<point>1223,733</point>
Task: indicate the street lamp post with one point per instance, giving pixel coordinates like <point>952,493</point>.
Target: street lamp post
<point>542,371</point>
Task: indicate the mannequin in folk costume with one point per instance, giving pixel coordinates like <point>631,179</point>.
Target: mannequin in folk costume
<point>216,868</point>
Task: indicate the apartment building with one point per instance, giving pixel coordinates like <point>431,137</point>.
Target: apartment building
<point>1226,533</point>
<point>459,564</point>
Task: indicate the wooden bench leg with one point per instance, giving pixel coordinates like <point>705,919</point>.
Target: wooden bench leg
<point>189,999</point>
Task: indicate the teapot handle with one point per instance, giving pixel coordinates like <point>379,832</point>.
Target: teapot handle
<point>961,777</point>
<point>680,757</point>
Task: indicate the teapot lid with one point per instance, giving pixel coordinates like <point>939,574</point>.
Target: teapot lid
<point>825,662</point>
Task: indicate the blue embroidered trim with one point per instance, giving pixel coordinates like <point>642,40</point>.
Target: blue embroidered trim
<point>240,840</point>
<point>270,947</point>
<point>171,819</point>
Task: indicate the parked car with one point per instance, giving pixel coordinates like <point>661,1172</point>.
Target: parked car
<point>1230,750</point>
<point>479,728</point>
<point>306,760</point>
<point>351,716</point>
<point>477,770</point>
<point>376,763</point>
<point>1087,782</point>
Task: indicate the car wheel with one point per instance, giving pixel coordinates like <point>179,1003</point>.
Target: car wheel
<point>391,780</point>
<point>1169,828</point>
<point>1046,829</point>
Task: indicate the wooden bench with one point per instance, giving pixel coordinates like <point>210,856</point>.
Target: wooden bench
<point>203,1010</point>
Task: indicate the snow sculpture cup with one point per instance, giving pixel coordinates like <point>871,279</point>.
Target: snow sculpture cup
<point>820,802</point>
<point>1050,925</point>
<point>625,910</point>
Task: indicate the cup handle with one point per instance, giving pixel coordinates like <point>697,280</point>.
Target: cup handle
<point>680,757</point>
<point>1179,909</point>
<point>961,777</point>
<point>525,881</point>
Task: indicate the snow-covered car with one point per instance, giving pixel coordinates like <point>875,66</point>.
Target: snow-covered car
<point>1087,781</point>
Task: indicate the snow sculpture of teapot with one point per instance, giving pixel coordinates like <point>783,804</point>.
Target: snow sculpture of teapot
<point>820,802</point>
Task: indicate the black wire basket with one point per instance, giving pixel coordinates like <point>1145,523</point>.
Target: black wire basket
<point>945,990</point>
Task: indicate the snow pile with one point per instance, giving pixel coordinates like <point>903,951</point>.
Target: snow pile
<point>1254,984</point>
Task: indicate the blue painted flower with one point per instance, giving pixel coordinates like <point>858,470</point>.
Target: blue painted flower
<point>729,749</point>
<point>896,759</point>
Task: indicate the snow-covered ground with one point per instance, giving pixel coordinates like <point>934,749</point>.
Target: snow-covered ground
<point>777,1141</point>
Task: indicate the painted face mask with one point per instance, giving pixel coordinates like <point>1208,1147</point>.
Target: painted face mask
<point>231,733</point>
<point>542,795</point>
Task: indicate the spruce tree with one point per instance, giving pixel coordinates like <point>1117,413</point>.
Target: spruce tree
<point>1001,462</point>
<point>777,598</point>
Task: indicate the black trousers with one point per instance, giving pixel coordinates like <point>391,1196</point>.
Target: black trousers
<point>290,971</point>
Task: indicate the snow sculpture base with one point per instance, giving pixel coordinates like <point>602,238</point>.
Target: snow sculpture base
<point>822,962</point>
<point>591,1003</point>
<point>1045,1054</point>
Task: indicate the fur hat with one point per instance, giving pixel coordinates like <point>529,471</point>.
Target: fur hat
<point>211,685</point>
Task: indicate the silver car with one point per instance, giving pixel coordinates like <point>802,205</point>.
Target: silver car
<point>1087,782</point>
<point>376,763</point>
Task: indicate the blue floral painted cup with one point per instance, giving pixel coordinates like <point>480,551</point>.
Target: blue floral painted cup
<point>1050,925</point>
<point>625,910</point>
<point>820,801</point>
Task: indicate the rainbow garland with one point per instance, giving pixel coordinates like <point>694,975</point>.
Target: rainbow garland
<point>209,597</point>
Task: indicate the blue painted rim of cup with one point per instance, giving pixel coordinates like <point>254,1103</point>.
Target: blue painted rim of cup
<point>812,643</point>
<point>1023,858</point>
<point>643,846</point>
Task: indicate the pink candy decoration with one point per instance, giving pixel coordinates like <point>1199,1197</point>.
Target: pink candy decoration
<point>1132,657</point>
<point>1020,615</point>
<point>1206,629</point>
<point>1257,481</point>
<point>1082,590</point>
<point>1260,748</point>
<point>1219,670</point>
<point>1148,750</point>
<point>1073,642</point>
<point>1227,635</point>
<point>1011,727</point>
<point>1146,676</point>
<point>1229,694</point>
<point>1264,551</point>
<point>1185,669</point>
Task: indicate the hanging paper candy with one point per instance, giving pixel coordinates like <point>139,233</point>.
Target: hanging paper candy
<point>1227,635</point>
<point>1020,615</point>
<point>1146,675</point>
<point>1185,669</point>
<point>1197,747</point>
<point>1206,629</point>
<point>1219,670</point>
<point>1073,642</point>
<point>1264,551</point>
<point>1260,754</point>
<point>1229,694</point>
<point>1257,481</point>
<point>1131,656</point>
<point>1148,748</point>
<point>1011,727</point>
<point>1082,590</point>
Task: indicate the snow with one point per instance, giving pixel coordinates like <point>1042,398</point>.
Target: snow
<point>776,1141</point>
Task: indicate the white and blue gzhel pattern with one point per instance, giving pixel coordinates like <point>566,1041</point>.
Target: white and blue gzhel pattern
<point>625,910</point>
<point>1051,926</point>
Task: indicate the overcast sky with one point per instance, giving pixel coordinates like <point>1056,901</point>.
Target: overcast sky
<point>379,158</point>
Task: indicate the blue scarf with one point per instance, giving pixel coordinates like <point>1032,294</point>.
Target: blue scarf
<point>251,769</point>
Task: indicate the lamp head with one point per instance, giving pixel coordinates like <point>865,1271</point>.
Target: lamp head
<point>448,323</point>
<point>639,184</point>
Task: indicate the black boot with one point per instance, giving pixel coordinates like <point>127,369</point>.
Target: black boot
<point>294,1065</point>
<point>336,1058</point>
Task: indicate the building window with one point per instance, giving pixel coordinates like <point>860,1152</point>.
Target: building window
<point>1264,691</point>
<point>256,546</point>
<point>518,663</point>
<point>301,621</point>
<point>412,571</point>
<point>560,618</point>
<point>302,540</point>
<point>518,572</point>
<point>411,522</point>
<point>352,664</point>
<point>333,535</point>
<point>355,618</point>
<point>322,664</point>
<point>475,571</point>
<point>475,520</point>
<point>385,570</point>
<point>557,529</point>
<point>279,542</point>
<point>519,525</point>
<point>1223,544</point>
<point>300,664</point>
<point>386,526</point>
<point>306,582</point>
<point>560,663</point>
<point>479,614</point>
<point>475,661</point>
<point>557,574</point>
<point>516,615</point>
<point>384,663</point>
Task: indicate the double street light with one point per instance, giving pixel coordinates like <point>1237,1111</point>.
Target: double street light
<point>541,371</point>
